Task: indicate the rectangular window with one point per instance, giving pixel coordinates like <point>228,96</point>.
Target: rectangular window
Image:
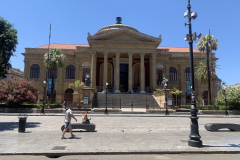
<point>159,77</point>
<point>85,71</point>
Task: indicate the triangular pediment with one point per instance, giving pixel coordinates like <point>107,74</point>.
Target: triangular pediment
<point>124,35</point>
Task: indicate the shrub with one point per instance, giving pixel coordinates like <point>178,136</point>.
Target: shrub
<point>232,96</point>
<point>16,91</point>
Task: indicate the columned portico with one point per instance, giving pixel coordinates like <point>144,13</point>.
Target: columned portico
<point>130,72</point>
<point>117,73</point>
<point>142,73</point>
<point>93,68</point>
<point>105,70</point>
<point>154,54</point>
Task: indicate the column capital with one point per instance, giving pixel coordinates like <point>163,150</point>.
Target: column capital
<point>25,61</point>
<point>130,53</point>
<point>142,53</point>
<point>77,60</point>
<point>117,53</point>
<point>105,53</point>
<point>180,65</point>
<point>154,54</point>
<point>94,53</point>
<point>167,62</point>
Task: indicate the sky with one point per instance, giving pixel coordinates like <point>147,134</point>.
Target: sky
<point>71,21</point>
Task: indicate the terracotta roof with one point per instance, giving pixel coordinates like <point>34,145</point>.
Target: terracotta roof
<point>73,46</point>
<point>178,49</point>
<point>63,46</point>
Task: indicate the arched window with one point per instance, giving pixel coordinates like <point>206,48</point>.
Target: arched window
<point>34,71</point>
<point>70,72</point>
<point>187,74</point>
<point>173,74</point>
<point>50,72</point>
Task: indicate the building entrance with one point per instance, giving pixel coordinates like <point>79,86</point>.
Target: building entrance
<point>123,77</point>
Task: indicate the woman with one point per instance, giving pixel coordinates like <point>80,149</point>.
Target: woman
<point>131,104</point>
<point>85,119</point>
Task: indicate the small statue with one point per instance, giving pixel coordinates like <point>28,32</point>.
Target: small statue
<point>164,82</point>
<point>87,80</point>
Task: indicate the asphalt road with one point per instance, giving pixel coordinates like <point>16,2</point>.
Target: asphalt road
<point>131,157</point>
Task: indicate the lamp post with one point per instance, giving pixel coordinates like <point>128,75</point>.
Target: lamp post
<point>106,110</point>
<point>224,91</point>
<point>44,92</point>
<point>165,83</point>
<point>194,136</point>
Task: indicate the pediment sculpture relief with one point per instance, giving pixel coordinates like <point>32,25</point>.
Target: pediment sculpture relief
<point>86,64</point>
<point>159,65</point>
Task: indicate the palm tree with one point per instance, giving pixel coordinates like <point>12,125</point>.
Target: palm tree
<point>201,70</point>
<point>56,60</point>
<point>204,45</point>
<point>176,92</point>
<point>77,84</point>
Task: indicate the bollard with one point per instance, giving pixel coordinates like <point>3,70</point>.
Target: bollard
<point>22,124</point>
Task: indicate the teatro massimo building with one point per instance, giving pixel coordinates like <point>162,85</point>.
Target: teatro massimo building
<point>130,61</point>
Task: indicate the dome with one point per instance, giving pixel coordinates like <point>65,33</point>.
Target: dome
<point>116,26</point>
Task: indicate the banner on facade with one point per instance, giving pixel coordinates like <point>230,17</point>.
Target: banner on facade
<point>50,84</point>
<point>189,88</point>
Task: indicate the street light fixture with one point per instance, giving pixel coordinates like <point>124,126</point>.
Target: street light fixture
<point>224,91</point>
<point>194,136</point>
<point>106,110</point>
<point>44,83</point>
<point>165,83</point>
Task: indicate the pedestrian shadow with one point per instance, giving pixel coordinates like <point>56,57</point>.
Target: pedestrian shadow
<point>230,145</point>
<point>74,138</point>
<point>5,126</point>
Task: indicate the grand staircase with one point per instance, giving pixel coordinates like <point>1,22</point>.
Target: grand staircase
<point>115,100</point>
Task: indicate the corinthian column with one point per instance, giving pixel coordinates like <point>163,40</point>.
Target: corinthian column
<point>93,68</point>
<point>130,71</point>
<point>142,73</point>
<point>117,73</point>
<point>105,69</point>
<point>154,54</point>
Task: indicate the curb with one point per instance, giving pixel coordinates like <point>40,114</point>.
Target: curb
<point>55,155</point>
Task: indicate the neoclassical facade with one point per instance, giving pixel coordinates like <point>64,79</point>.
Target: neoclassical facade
<point>120,55</point>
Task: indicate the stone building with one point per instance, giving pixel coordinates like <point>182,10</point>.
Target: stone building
<point>130,61</point>
<point>14,73</point>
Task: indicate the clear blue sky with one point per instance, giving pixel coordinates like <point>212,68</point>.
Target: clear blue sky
<point>72,19</point>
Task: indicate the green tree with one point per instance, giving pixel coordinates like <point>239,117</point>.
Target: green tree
<point>176,92</point>
<point>56,61</point>
<point>8,42</point>
<point>232,96</point>
<point>204,45</point>
<point>201,70</point>
<point>77,85</point>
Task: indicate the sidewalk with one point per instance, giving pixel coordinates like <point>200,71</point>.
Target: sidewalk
<point>115,135</point>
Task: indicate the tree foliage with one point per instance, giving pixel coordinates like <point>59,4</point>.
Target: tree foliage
<point>77,85</point>
<point>203,44</point>
<point>201,70</point>
<point>176,92</point>
<point>56,60</point>
<point>232,96</point>
<point>8,42</point>
<point>17,91</point>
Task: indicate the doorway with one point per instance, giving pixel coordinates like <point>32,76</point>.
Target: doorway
<point>123,77</point>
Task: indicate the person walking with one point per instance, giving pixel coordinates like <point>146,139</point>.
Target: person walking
<point>63,104</point>
<point>67,120</point>
<point>131,104</point>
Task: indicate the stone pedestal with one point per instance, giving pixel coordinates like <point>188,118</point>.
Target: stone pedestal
<point>87,92</point>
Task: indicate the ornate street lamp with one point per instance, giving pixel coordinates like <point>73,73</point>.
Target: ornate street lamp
<point>224,91</point>
<point>44,83</point>
<point>194,140</point>
<point>165,83</point>
<point>106,110</point>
